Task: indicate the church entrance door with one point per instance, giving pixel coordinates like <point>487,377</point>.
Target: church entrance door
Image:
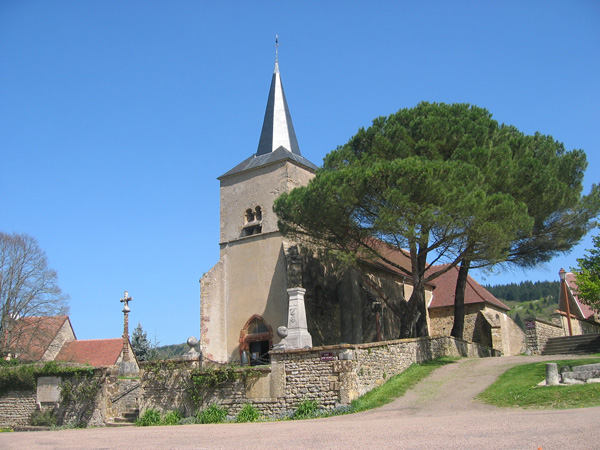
<point>256,339</point>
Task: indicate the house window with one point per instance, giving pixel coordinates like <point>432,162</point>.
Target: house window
<point>252,221</point>
<point>256,339</point>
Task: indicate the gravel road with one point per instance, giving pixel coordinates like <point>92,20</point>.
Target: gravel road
<point>440,413</point>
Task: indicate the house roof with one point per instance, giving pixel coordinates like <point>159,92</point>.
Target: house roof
<point>395,255</point>
<point>576,306</point>
<point>96,352</point>
<point>443,294</point>
<point>31,336</point>
<point>277,139</point>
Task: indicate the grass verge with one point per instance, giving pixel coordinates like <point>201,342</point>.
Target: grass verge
<point>517,387</point>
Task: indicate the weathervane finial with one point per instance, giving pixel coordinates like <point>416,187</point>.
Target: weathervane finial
<point>276,48</point>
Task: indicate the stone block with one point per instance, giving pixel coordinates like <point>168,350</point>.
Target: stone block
<point>552,374</point>
<point>342,366</point>
<point>346,355</point>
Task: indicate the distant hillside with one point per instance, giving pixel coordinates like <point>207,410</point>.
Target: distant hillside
<point>525,291</point>
<point>173,351</point>
<point>527,299</point>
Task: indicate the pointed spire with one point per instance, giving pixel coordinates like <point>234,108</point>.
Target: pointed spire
<point>278,130</point>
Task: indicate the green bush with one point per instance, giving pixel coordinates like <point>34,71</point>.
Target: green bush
<point>150,418</point>
<point>17,377</point>
<point>172,418</point>
<point>247,414</point>
<point>187,421</point>
<point>212,414</point>
<point>306,410</point>
<point>45,418</point>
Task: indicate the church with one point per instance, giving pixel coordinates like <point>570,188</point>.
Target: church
<point>262,280</point>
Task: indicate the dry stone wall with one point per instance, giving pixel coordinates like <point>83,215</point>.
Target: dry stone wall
<point>538,332</point>
<point>16,408</point>
<point>332,376</point>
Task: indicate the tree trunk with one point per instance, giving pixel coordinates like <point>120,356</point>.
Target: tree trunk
<point>422,329</point>
<point>414,321</point>
<point>409,318</point>
<point>459,300</point>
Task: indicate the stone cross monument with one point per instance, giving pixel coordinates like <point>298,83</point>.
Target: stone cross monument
<point>126,299</point>
<point>127,366</point>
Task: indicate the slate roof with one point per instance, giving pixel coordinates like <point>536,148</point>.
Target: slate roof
<point>443,294</point>
<point>280,154</point>
<point>277,139</point>
<point>576,306</point>
<point>31,336</point>
<point>96,352</point>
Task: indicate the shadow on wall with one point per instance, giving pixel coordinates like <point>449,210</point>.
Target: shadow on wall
<point>342,308</point>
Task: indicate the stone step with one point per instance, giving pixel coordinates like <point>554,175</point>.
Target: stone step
<point>124,419</point>
<point>120,424</point>
<point>581,344</point>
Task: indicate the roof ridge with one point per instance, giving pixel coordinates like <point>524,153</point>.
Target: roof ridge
<point>102,339</point>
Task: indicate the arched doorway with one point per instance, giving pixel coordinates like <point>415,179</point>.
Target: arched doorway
<point>256,339</point>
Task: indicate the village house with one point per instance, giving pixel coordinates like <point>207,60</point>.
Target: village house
<point>583,319</point>
<point>51,338</point>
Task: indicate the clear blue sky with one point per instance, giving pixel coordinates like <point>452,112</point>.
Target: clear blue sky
<point>117,117</point>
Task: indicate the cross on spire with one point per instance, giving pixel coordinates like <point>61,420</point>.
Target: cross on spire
<point>276,48</point>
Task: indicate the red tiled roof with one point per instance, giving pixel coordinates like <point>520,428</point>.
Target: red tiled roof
<point>585,312</point>
<point>30,337</point>
<point>443,294</point>
<point>396,256</point>
<point>96,352</point>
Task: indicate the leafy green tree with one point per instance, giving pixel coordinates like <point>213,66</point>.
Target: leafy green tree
<point>411,180</point>
<point>588,276</point>
<point>540,174</point>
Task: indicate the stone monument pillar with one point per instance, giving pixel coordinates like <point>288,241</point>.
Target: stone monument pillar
<point>296,334</point>
<point>297,331</point>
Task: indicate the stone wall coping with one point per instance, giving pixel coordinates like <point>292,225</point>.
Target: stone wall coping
<point>545,322</point>
<point>362,346</point>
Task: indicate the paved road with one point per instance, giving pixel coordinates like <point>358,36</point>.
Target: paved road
<point>440,413</point>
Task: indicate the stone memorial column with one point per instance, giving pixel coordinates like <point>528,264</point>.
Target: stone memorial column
<point>297,331</point>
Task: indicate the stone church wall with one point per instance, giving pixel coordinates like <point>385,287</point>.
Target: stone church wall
<point>442,320</point>
<point>343,307</point>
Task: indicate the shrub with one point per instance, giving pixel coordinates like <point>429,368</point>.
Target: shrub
<point>150,418</point>
<point>247,414</point>
<point>15,377</point>
<point>172,418</point>
<point>306,410</point>
<point>45,418</point>
<point>187,421</point>
<point>212,414</point>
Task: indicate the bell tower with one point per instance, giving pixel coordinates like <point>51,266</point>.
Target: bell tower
<point>244,296</point>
